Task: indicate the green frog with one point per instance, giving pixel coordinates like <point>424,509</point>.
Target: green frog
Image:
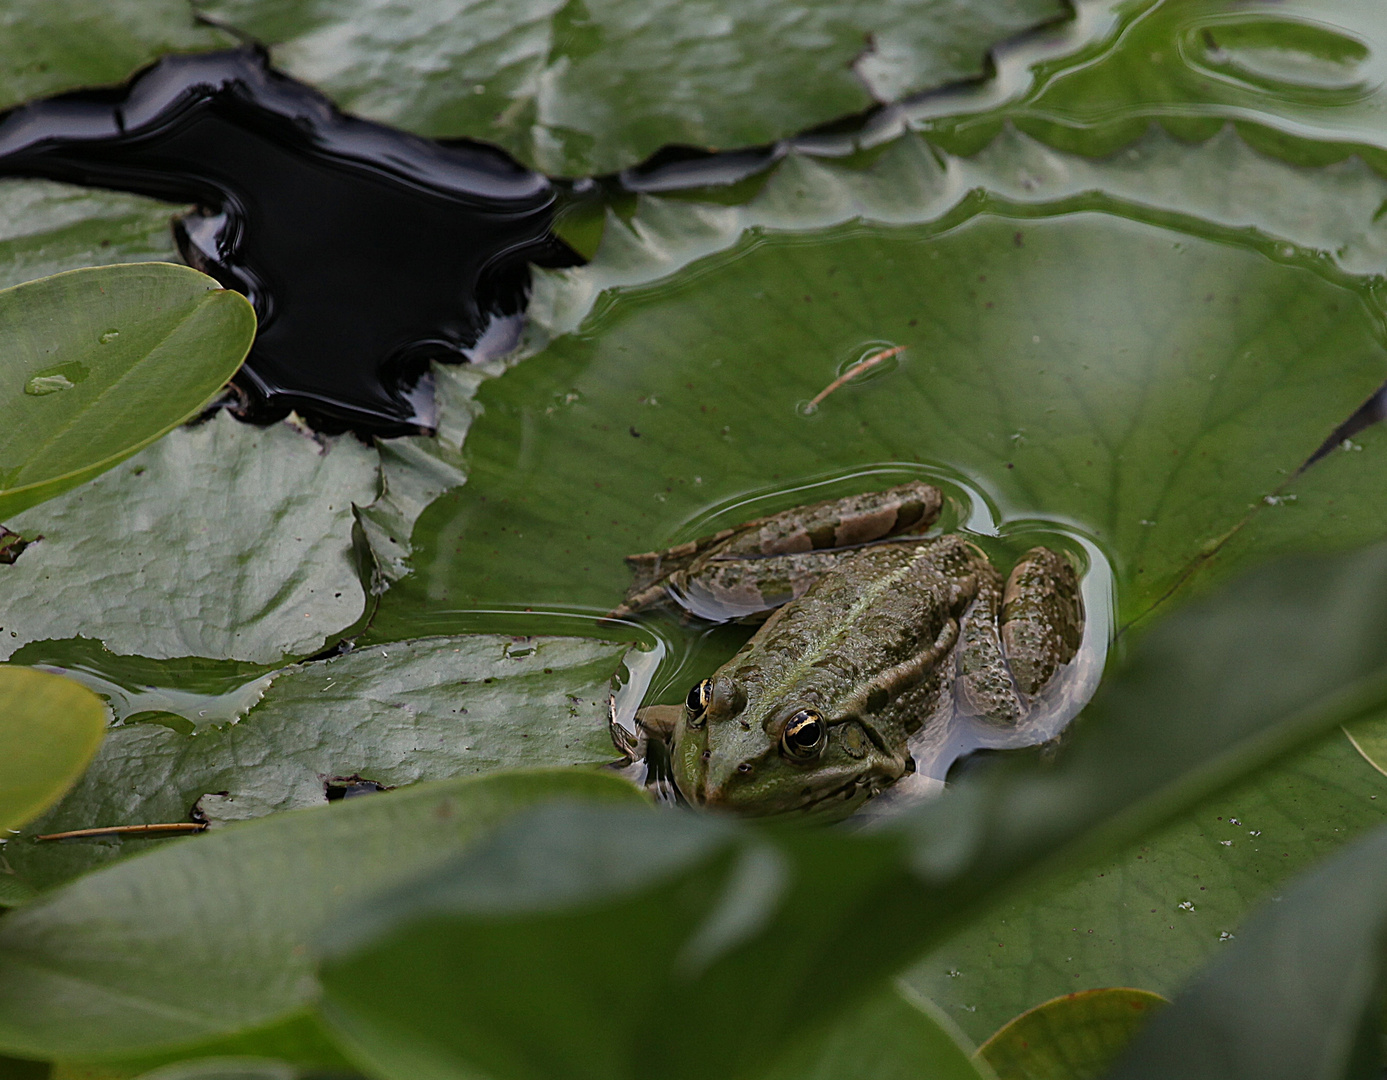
<point>873,634</point>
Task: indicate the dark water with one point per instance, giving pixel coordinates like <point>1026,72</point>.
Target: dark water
<point>366,251</point>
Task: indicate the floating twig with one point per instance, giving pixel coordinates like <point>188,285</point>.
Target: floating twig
<point>865,364</point>
<point>168,828</point>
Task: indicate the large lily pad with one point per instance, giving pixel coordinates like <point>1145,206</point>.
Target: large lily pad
<point>1151,393</point>
<point>209,935</point>
<point>222,540</point>
<point>577,88</point>
<point>49,729</point>
<point>101,362</point>
<point>392,715</point>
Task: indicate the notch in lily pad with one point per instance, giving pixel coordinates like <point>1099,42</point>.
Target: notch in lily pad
<point>97,363</point>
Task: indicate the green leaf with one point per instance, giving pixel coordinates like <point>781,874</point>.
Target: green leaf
<point>225,1068</point>
<point>394,714</point>
<point>51,47</point>
<point>1298,994</point>
<point>896,1035</point>
<point>1164,906</point>
<point>46,227</point>
<point>1075,1037</point>
<point>50,728</point>
<point>101,362</point>
<point>1146,379</point>
<point>252,529</point>
<point>500,962</point>
<point>591,87</point>
<point>209,935</point>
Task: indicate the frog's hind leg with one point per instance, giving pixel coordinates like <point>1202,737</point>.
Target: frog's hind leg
<point>1042,618</point>
<point>984,687</point>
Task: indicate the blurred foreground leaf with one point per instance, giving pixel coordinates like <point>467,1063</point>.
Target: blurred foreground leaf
<point>49,729</point>
<point>895,1035</point>
<point>500,962</point>
<point>209,935</point>
<point>432,709</point>
<point>1298,993</point>
<point>1075,1037</point>
<point>100,362</point>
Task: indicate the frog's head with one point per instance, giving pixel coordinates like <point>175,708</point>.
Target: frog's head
<point>786,756</point>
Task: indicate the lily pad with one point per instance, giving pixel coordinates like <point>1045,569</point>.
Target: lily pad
<point>46,228</point>
<point>49,729</point>
<point>1150,394</point>
<point>209,935</point>
<point>390,715</point>
<point>1075,1037</point>
<point>101,362</point>
<point>579,88</point>
<point>49,48</point>
<point>222,540</point>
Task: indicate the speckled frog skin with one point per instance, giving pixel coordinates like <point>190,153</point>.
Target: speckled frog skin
<point>876,632</point>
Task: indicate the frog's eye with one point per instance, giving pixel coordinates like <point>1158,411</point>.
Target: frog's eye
<point>698,700</point>
<point>804,736</point>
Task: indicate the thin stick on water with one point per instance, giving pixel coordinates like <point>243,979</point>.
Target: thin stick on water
<point>163,829</point>
<point>865,364</point>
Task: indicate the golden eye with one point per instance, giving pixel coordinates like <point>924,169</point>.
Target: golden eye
<point>805,736</point>
<point>698,700</point>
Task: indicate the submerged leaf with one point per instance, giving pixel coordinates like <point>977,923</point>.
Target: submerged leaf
<point>390,715</point>
<point>49,729</point>
<point>100,362</point>
<point>221,540</point>
<point>598,86</point>
<point>209,935</point>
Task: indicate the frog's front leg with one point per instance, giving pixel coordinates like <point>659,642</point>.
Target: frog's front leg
<point>1042,618</point>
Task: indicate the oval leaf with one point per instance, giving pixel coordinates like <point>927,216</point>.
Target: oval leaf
<point>100,362</point>
<point>1074,1037</point>
<point>49,729</point>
